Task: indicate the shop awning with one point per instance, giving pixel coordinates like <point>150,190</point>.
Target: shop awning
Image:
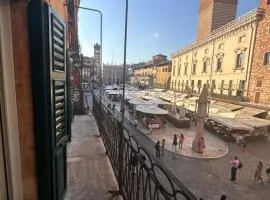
<point>115,92</point>
<point>151,110</point>
<point>228,106</point>
<point>139,102</point>
<point>158,101</point>
<point>230,123</point>
<point>254,122</point>
<point>247,111</point>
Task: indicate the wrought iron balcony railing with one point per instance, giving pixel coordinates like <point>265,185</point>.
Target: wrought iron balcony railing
<point>139,177</point>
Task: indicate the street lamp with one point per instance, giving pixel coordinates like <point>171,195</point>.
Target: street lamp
<point>124,69</point>
<point>101,64</point>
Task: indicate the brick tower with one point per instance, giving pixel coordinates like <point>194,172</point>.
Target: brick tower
<point>214,14</point>
<point>259,88</point>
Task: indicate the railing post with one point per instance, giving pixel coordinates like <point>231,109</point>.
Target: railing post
<point>120,156</point>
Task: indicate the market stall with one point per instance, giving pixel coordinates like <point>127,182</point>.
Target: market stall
<point>227,128</point>
<point>150,116</point>
<point>114,95</point>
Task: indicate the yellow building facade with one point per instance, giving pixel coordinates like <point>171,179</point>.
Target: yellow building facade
<point>222,60</point>
<point>156,73</point>
<point>162,75</point>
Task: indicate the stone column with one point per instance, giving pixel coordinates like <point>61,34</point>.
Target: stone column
<point>202,105</point>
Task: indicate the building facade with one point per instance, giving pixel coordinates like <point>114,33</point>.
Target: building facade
<point>259,85</point>
<point>97,52</point>
<point>113,74</point>
<point>162,75</point>
<point>155,73</point>
<point>223,60</point>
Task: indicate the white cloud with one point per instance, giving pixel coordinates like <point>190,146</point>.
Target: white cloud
<point>156,35</point>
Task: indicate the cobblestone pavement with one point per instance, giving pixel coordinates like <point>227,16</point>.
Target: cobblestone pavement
<point>209,178</point>
<point>90,175</point>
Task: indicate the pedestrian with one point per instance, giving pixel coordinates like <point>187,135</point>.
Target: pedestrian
<point>162,147</point>
<point>150,130</point>
<point>174,144</point>
<point>135,123</point>
<point>267,171</point>
<point>113,107</point>
<point>235,164</point>
<point>157,147</point>
<point>223,197</point>
<point>181,140</point>
<point>258,172</point>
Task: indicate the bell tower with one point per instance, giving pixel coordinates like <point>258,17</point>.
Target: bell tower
<point>214,14</point>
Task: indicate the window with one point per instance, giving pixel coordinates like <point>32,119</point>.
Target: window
<point>242,39</point>
<point>242,85</point>
<point>266,59</point>
<point>230,84</point>
<point>199,83</point>
<point>214,84</point>
<point>207,83</point>
<point>186,84</point>
<point>186,66</point>
<point>259,83</point>
<point>204,66</point>
<point>219,64</point>
<point>183,83</point>
<point>194,68</point>
<point>179,70</point>
<point>220,46</point>
<point>206,51</point>
<point>239,61</point>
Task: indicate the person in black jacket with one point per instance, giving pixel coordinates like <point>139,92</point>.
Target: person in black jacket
<point>157,147</point>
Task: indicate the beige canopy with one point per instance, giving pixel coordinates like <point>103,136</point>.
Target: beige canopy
<point>151,109</point>
<point>230,123</point>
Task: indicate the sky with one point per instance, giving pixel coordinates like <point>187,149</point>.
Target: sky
<point>154,26</point>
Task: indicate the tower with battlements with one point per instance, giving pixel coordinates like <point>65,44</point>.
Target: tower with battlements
<point>214,14</point>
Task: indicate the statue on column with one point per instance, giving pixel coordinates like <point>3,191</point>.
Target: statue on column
<point>182,112</point>
<point>201,110</point>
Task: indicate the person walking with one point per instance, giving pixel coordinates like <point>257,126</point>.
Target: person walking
<point>174,144</point>
<point>258,172</point>
<point>267,171</point>
<point>235,164</point>
<point>162,147</point>
<point>157,147</point>
<point>113,107</point>
<point>135,123</point>
<point>223,197</point>
<point>181,140</point>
